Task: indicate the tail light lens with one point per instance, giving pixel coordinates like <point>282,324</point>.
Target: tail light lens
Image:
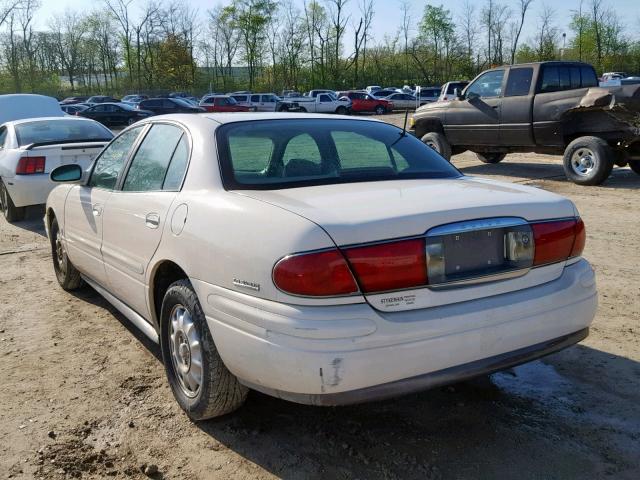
<point>558,241</point>
<point>389,266</point>
<point>316,274</point>
<point>30,165</point>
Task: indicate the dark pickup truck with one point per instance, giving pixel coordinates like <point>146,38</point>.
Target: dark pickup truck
<point>546,107</point>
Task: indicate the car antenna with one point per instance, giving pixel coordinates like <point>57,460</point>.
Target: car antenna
<point>404,128</point>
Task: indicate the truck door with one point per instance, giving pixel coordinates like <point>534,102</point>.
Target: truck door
<point>516,111</point>
<point>325,104</point>
<point>475,120</point>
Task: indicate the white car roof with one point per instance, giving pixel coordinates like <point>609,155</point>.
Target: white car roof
<point>21,106</point>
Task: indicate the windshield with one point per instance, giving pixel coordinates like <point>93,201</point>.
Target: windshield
<point>61,131</point>
<point>274,154</point>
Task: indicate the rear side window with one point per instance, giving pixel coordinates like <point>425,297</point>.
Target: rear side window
<point>574,75</point>
<point>519,82</point>
<point>250,154</point>
<point>565,77</point>
<point>255,98</point>
<point>110,163</point>
<point>151,162</point>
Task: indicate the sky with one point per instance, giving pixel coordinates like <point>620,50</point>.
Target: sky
<point>388,16</point>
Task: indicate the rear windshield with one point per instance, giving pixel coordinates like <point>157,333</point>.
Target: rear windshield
<point>61,131</point>
<point>274,154</point>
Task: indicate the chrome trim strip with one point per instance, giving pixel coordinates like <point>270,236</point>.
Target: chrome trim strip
<point>472,225</point>
<point>506,275</point>
<point>144,326</point>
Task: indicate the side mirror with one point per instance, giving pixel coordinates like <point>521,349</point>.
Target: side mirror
<point>457,94</point>
<point>66,173</point>
<point>472,96</point>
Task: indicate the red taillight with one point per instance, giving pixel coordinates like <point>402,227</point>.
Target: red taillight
<point>557,241</point>
<point>389,266</point>
<point>319,274</point>
<point>30,165</point>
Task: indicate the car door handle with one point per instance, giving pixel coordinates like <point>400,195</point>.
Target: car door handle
<point>97,210</point>
<point>152,220</point>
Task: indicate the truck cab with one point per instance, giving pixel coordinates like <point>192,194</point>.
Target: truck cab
<point>536,107</point>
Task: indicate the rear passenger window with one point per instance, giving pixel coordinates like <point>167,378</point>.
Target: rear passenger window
<point>519,82</point>
<point>357,151</point>
<point>574,73</point>
<point>550,80</point>
<point>589,78</point>
<point>151,162</point>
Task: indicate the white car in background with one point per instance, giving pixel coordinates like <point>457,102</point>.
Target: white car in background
<point>322,260</point>
<point>403,101</point>
<point>30,148</point>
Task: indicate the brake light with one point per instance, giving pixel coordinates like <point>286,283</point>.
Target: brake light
<point>30,165</point>
<point>316,274</point>
<point>389,266</point>
<point>557,241</point>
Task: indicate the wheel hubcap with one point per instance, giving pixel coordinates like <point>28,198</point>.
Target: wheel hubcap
<point>432,145</point>
<point>60,254</point>
<point>583,161</point>
<point>185,347</point>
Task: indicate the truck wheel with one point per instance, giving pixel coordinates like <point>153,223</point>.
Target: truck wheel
<point>635,166</point>
<point>9,210</point>
<point>199,380</point>
<point>492,157</point>
<point>439,143</point>
<point>341,111</point>
<point>67,275</point>
<point>303,110</point>
<point>588,161</point>
<point>380,110</point>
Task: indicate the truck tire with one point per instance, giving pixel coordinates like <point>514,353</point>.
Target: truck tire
<point>341,110</point>
<point>9,210</point>
<point>635,166</point>
<point>209,390</point>
<point>588,160</point>
<point>491,157</point>
<point>66,273</point>
<point>439,143</point>
<point>303,110</point>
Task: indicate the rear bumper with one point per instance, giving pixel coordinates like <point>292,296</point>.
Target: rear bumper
<point>29,189</point>
<point>353,353</point>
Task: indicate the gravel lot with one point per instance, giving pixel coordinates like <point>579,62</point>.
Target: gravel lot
<point>83,394</point>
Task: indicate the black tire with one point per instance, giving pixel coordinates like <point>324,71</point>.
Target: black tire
<point>341,110</point>
<point>66,273</point>
<point>303,110</point>
<point>380,110</point>
<point>635,166</point>
<point>588,161</point>
<point>219,392</point>
<point>9,210</point>
<point>491,157</point>
<point>439,143</point>
<point>131,121</point>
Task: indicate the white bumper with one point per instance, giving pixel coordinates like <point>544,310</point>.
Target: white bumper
<point>29,189</point>
<point>353,353</point>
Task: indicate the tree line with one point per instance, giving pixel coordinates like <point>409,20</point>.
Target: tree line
<point>124,46</point>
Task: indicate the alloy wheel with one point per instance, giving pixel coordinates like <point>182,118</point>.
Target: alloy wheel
<point>583,161</point>
<point>186,351</point>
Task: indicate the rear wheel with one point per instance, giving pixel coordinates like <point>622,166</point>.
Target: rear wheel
<point>9,210</point>
<point>491,157</point>
<point>439,143</point>
<point>380,110</point>
<point>588,160</point>
<point>131,121</point>
<point>341,110</point>
<point>67,275</point>
<point>635,166</point>
<point>303,110</point>
<point>201,383</point>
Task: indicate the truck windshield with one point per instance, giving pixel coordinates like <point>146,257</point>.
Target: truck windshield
<point>275,154</point>
<point>54,130</point>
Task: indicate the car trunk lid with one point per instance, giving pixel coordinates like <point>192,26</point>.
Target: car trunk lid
<point>81,153</point>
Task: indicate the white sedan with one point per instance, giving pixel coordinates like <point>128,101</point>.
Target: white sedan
<point>402,101</point>
<point>30,148</point>
<point>323,261</point>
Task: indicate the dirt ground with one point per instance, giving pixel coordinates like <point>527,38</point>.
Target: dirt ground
<point>84,395</point>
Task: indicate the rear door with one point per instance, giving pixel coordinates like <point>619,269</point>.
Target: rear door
<point>475,120</point>
<point>136,212</point>
<point>516,127</point>
<point>84,207</point>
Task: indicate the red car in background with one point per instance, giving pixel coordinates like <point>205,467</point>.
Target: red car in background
<point>363,102</point>
<point>223,103</point>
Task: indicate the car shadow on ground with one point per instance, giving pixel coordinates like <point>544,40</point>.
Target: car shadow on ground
<point>33,220</point>
<point>524,172</point>
<point>540,420</point>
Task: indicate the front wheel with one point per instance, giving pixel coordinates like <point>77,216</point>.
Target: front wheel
<point>9,210</point>
<point>380,110</point>
<point>67,275</point>
<point>341,110</point>
<point>201,383</point>
<point>491,157</point>
<point>635,166</point>
<point>439,143</point>
<point>588,160</point>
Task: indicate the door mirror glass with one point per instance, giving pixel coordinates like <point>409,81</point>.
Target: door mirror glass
<point>66,173</point>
